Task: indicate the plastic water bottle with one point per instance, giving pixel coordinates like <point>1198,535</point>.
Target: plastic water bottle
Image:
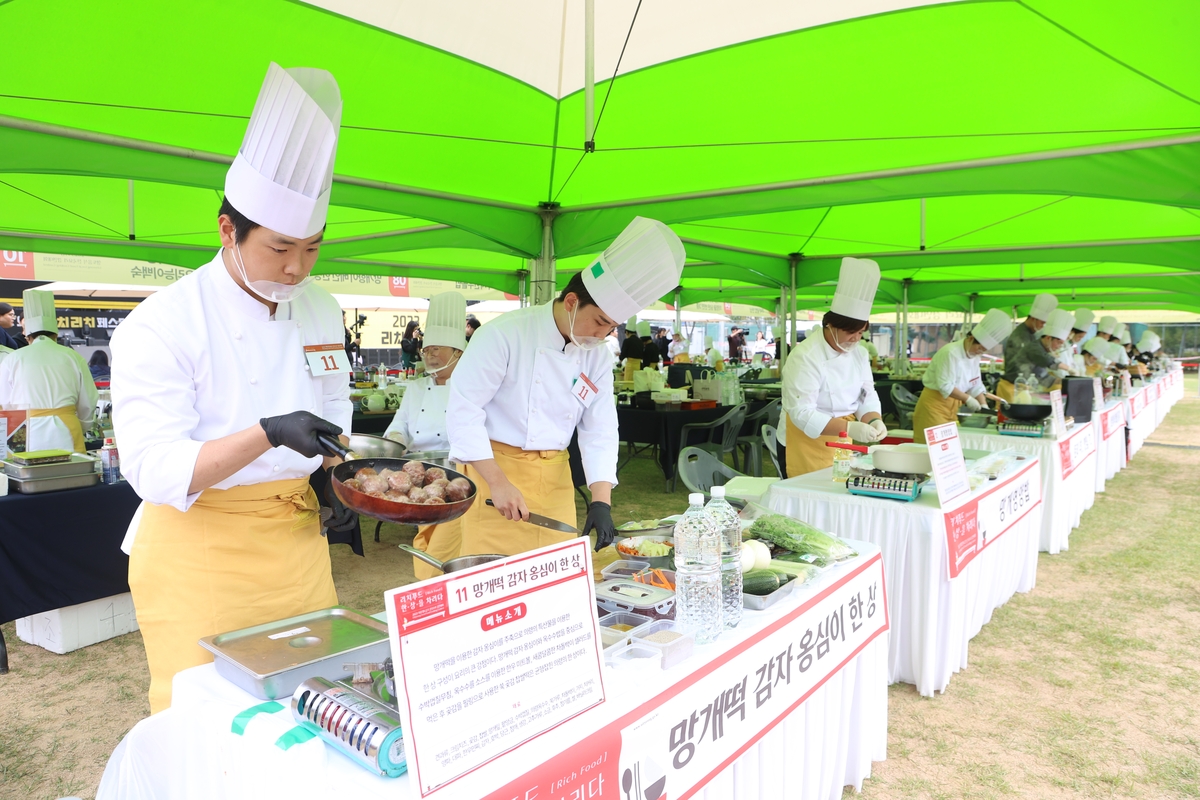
<point>110,462</point>
<point>719,510</point>
<point>698,572</point>
<point>842,458</point>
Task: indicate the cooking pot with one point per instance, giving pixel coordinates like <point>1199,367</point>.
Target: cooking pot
<point>454,564</point>
<point>909,458</point>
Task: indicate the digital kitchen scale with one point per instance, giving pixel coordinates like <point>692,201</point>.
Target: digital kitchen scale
<point>891,485</point>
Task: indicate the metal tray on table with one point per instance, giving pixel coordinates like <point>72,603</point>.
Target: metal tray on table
<point>77,465</point>
<point>270,660</point>
<point>40,485</point>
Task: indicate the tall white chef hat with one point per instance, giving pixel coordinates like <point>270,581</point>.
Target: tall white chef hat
<point>1107,324</point>
<point>1097,347</point>
<point>857,281</point>
<point>40,316</point>
<point>1043,304</point>
<point>1058,326</point>
<point>1115,351</point>
<point>1083,318</point>
<point>640,266</point>
<point>282,174</point>
<point>445,324</point>
<point>993,328</point>
<point>708,343</point>
<point>1124,337</point>
<point>643,328</point>
<point>1118,331</point>
<point>1149,343</point>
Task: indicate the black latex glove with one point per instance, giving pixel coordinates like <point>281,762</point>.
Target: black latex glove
<point>341,519</point>
<point>599,518</point>
<point>298,431</point>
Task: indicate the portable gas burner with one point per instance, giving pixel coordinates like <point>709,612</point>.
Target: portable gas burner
<point>1012,427</point>
<point>891,485</point>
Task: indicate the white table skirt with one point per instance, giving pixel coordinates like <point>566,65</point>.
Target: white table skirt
<point>1110,452</point>
<point>188,751</point>
<point>1142,423</point>
<point>1064,501</point>
<point>933,617</point>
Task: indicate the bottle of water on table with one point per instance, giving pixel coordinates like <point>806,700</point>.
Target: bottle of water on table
<point>730,525</point>
<point>698,572</point>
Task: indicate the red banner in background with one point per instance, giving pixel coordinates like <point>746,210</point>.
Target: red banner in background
<point>16,265</point>
<point>398,286</point>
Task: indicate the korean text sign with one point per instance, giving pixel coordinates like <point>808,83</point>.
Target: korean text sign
<point>980,520</point>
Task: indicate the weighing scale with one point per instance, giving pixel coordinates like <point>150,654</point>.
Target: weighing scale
<point>890,485</point>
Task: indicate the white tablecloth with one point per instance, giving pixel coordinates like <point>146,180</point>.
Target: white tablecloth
<point>1110,441</point>
<point>1140,417</point>
<point>933,617</point>
<point>1065,500</point>
<point>188,751</point>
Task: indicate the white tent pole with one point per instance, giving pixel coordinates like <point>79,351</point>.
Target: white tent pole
<point>903,344</point>
<point>792,335</point>
<point>589,75</point>
<point>896,342</point>
<point>543,283</point>
<point>679,309</point>
<point>781,319</point>
<point>922,223</point>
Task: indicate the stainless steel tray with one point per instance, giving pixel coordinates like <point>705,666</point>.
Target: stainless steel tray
<point>759,602</point>
<point>39,485</point>
<point>78,465</point>
<point>269,661</point>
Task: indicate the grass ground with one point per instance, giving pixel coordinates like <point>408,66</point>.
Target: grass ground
<point>1089,686</point>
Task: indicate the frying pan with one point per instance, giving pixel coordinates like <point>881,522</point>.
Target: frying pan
<point>364,444</point>
<point>1027,412</point>
<point>909,458</point>
<point>380,508</point>
<point>454,564</point>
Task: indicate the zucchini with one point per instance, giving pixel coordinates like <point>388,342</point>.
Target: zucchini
<point>760,582</point>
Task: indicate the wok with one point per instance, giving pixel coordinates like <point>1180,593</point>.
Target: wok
<point>378,507</point>
<point>364,444</point>
<point>440,458</point>
<point>454,564</point>
<point>1027,412</point>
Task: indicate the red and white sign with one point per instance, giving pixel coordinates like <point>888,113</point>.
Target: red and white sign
<point>1060,420</point>
<point>1097,394</point>
<point>398,286</point>
<point>327,359</point>
<point>949,468</point>
<point>491,659</point>
<point>981,520</point>
<point>1077,448</point>
<point>676,743</point>
<point>1137,403</point>
<point>16,265</point>
<point>1112,420</point>
<point>584,390</point>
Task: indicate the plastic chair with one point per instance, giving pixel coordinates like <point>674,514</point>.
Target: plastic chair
<point>751,446</point>
<point>729,424</point>
<point>905,402</point>
<point>771,437</point>
<point>701,470</point>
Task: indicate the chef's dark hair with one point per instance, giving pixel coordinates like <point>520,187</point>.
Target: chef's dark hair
<point>5,308</point>
<point>242,225</point>
<point>575,286</point>
<point>843,323</point>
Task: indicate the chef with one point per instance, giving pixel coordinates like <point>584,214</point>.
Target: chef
<point>1071,353</point>
<point>827,383</point>
<point>678,347</point>
<point>953,380</point>
<point>51,383</point>
<point>1037,357</point>
<point>1095,356</point>
<point>872,351</point>
<point>632,349</point>
<point>420,422</point>
<point>650,355</point>
<point>713,356</point>
<point>536,376</point>
<point>1025,333</point>
<point>1106,326</point>
<point>220,391</point>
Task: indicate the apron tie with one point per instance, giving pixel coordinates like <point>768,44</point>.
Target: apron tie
<point>69,418</point>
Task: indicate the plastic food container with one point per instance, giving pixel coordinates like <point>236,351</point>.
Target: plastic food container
<point>624,568</point>
<point>626,594</point>
<point>673,652</point>
<point>610,637</point>
<point>622,618</point>
<point>635,656</point>
<point>653,577</point>
<point>632,542</point>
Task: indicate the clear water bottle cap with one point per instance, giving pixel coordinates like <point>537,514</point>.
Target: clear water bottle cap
<point>696,499</point>
<point>717,491</point>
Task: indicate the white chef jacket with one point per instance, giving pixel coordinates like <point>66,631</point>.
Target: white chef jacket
<point>514,385</point>
<point>714,357</point>
<point>421,419</point>
<point>47,375</point>
<point>951,368</point>
<point>819,384</point>
<point>675,348</point>
<point>202,359</point>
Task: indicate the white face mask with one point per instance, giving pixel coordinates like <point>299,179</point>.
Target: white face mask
<point>583,342</point>
<point>837,344</point>
<point>453,360</point>
<point>270,291</point>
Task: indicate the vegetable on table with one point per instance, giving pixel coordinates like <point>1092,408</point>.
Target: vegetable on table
<point>800,537</point>
<point>760,582</point>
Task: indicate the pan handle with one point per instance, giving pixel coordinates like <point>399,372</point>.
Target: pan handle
<point>856,447</point>
<point>334,445</point>
<point>421,554</point>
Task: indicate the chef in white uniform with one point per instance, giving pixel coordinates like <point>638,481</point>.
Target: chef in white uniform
<point>827,382</point>
<point>534,377</point>
<point>48,381</point>
<point>420,422</point>
<point>222,384</point>
<point>1070,353</point>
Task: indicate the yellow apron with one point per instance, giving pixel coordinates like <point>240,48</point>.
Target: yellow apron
<point>442,541</point>
<point>1005,390</point>
<point>631,366</point>
<point>1093,370</point>
<point>932,409</point>
<point>238,557</point>
<point>805,454</point>
<point>69,418</point>
<point>544,478</point>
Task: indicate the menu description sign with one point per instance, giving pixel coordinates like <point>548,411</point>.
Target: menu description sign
<point>1076,448</point>
<point>1060,420</point>
<point>981,520</point>
<point>1097,394</point>
<point>491,658</point>
<point>949,467</point>
<point>1112,420</point>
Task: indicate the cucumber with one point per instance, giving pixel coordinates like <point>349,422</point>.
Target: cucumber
<point>760,582</point>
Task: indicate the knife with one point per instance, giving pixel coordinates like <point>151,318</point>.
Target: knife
<point>545,522</point>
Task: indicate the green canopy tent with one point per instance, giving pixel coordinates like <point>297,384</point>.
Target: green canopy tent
<point>980,150</point>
